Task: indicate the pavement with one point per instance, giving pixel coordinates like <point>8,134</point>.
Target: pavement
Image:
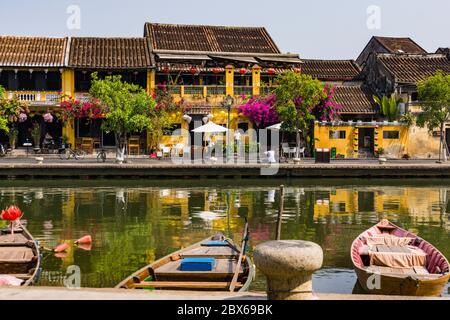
<point>62,293</point>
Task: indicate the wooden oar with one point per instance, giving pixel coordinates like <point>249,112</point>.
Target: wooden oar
<point>238,266</point>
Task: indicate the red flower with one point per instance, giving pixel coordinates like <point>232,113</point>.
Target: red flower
<point>12,213</point>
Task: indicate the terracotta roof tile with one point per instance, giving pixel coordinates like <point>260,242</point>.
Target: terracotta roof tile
<point>406,45</point>
<point>329,70</point>
<point>32,51</point>
<point>413,68</point>
<point>110,53</point>
<point>355,100</point>
<point>209,38</point>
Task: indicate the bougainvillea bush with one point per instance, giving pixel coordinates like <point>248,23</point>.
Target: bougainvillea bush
<point>73,108</point>
<point>260,111</point>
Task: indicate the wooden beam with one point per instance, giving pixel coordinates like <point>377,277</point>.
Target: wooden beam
<point>182,284</point>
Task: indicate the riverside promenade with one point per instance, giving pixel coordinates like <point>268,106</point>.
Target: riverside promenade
<point>139,167</point>
<point>60,293</point>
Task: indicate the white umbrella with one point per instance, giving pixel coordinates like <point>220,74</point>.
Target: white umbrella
<point>276,126</point>
<point>210,127</point>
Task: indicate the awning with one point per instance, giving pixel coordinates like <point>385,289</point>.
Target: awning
<point>236,58</point>
<point>280,59</point>
<point>164,56</point>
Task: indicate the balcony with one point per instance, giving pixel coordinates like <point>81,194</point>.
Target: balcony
<point>82,96</point>
<point>198,91</point>
<point>243,90</point>
<point>36,98</point>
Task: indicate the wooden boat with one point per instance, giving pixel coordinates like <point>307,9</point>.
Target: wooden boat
<point>19,256</point>
<point>391,261</point>
<point>166,273</point>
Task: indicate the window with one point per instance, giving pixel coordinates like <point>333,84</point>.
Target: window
<point>339,134</point>
<point>390,134</point>
<point>171,131</point>
<point>243,126</point>
<point>414,96</point>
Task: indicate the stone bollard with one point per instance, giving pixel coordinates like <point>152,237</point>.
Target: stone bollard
<point>288,266</point>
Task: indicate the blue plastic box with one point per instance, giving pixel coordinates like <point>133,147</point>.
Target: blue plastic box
<point>197,264</point>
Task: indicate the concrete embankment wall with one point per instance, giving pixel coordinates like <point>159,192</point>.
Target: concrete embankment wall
<point>338,170</point>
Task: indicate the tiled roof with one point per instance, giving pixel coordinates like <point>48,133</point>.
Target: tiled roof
<point>443,50</point>
<point>110,53</point>
<point>209,38</point>
<point>412,68</point>
<point>406,45</point>
<point>330,69</point>
<point>355,100</point>
<point>32,51</point>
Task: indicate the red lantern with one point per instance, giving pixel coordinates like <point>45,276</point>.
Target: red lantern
<point>297,70</point>
<point>166,69</point>
<point>216,70</point>
<point>271,71</point>
<point>193,70</point>
<point>243,71</point>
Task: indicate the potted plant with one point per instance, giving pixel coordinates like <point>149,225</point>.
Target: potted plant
<point>36,135</point>
<point>64,141</point>
<point>12,135</point>
<point>381,159</point>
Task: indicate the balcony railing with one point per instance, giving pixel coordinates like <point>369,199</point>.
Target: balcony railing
<point>202,91</point>
<point>82,96</point>
<point>36,97</point>
<point>243,90</point>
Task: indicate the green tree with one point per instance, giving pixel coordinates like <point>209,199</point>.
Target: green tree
<point>297,95</point>
<point>434,95</point>
<point>127,109</point>
<point>10,112</point>
<point>389,106</point>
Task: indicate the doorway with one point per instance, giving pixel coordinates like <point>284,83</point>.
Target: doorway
<point>366,145</point>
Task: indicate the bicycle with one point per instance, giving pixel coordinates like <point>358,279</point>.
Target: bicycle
<point>101,156</point>
<point>67,153</point>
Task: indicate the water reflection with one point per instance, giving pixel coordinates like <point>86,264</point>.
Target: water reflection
<point>133,223</point>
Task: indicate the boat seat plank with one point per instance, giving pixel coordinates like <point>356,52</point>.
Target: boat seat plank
<point>16,254</point>
<point>23,276</point>
<point>223,268</point>
<point>205,251</point>
<point>16,239</point>
<point>182,284</point>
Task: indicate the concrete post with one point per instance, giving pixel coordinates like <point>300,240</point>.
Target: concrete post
<point>288,266</point>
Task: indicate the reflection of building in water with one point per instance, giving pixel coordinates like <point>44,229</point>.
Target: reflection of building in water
<point>341,205</point>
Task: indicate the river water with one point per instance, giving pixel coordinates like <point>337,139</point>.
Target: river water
<point>134,222</point>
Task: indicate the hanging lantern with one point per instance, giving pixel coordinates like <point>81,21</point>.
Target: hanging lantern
<point>193,70</point>
<point>205,120</point>
<point>216,70</point>
<point>187,118</point>
<point>271,71</point>
<point>243,70</point>
<point>297,70</point>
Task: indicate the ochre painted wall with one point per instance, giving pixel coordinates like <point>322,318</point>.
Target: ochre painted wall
<point>68,89</point>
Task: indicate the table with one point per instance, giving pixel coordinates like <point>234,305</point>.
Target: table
<point>27,145</point>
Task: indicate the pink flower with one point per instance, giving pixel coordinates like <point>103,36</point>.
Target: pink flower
<point>22,117</point>
<point>48,117</point>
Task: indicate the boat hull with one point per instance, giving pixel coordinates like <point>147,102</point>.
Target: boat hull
<point>195,280</point>
<point>387,283</point>
<point>400,286</point>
